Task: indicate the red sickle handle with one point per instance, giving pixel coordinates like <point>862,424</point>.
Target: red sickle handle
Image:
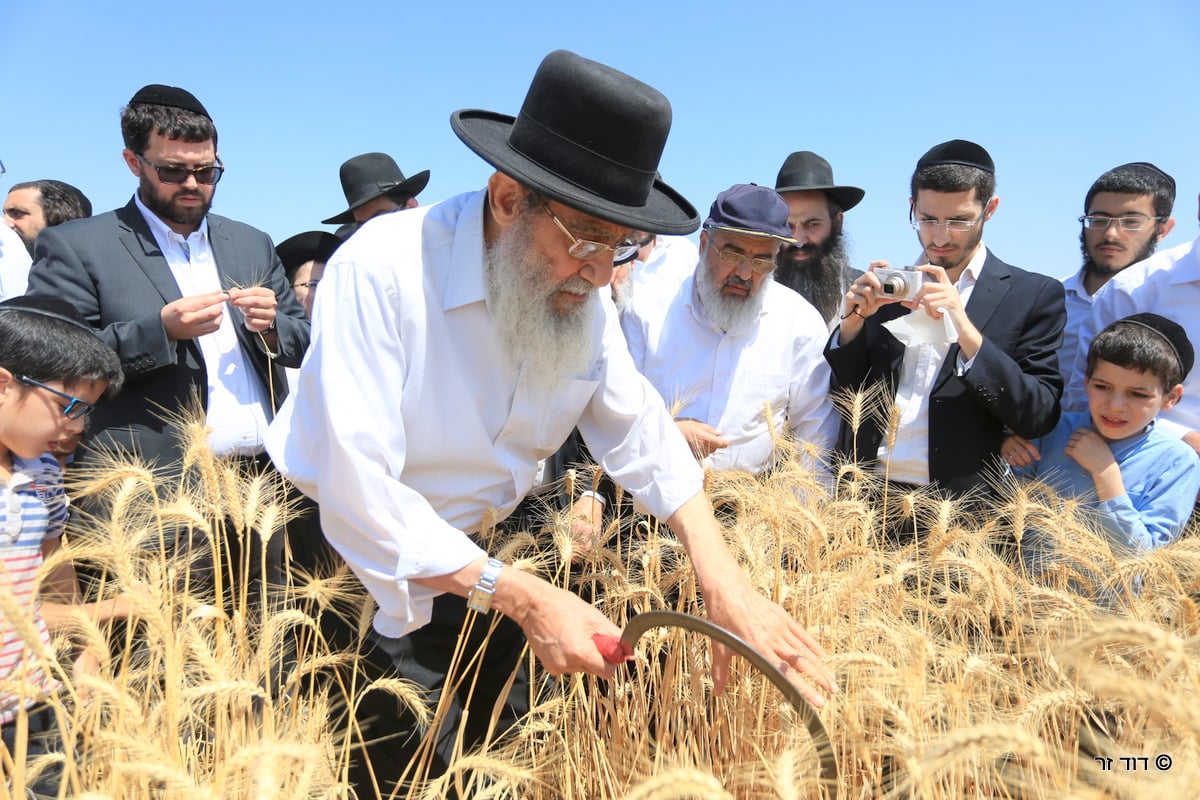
<point>613,649</point>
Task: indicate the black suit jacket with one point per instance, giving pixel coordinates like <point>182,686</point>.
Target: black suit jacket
<point>112,270</point>
<point>1013,384</point>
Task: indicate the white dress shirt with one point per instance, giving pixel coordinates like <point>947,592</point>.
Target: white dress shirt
<point>671,261</point>
<point>237,412</point>
<point>1167,283</point>
<point>14,263</point>
<point>750,384</point>
<point>410,426</point>
<point>908,459</point>
<point>1079,309</point>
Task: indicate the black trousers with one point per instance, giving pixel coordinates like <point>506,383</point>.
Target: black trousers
<point>43,738</point>
<point>473,692</point>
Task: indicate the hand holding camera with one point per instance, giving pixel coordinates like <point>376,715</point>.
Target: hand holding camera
<point>901,284</point>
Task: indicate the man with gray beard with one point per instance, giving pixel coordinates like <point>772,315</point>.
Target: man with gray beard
<point>455,347</point>
<point>739,355</point>
<point>817,266</point>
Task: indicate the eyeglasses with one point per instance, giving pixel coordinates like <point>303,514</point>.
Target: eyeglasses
<point>956,225</point>
<point>306,284</point>
<point>208,176</point>
<point>735,259</point>
<point>584,249</point>
<point>1133,222</point>
<point>75,407</point>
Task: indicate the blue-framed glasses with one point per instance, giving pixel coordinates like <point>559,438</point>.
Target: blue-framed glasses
<point>74,409</point>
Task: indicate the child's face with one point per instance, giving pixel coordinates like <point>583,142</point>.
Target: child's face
<point>1123,401</point>
<point>32,420</point>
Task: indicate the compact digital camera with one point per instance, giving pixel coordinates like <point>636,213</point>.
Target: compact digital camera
<point>902,284</point>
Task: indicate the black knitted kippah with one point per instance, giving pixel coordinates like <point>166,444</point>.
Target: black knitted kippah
<point>160,95</point>
<point>958,151</point>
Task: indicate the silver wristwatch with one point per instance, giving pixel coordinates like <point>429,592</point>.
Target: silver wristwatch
<point>480,598</point>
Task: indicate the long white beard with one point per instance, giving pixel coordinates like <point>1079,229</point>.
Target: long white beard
<point>728,312</point>
<point>547,344</point>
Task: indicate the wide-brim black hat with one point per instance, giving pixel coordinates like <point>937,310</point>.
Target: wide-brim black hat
<point>589,137</point>
<point>373,175</point>
<point>308,246</point>
<point>805,171</point>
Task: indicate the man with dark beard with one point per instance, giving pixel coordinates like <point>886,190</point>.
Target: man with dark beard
<point>1127,212</point>
<point>817,266</point>
<point>195,304</point>
<point>456,346</point>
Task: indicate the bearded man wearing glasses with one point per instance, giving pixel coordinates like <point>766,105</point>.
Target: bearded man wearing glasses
<point>196,305</point>
<point>457,345</point>
<point>741,353</point>
<point>965,345</point>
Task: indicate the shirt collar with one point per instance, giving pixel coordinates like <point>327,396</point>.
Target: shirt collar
<point>163,234</point>
<point>974,267</point>
<point>465,282</point>
<point>1074,284</point>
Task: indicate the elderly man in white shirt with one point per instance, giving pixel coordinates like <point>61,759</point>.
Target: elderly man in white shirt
<point>735,355</point>
<point>457,345</point>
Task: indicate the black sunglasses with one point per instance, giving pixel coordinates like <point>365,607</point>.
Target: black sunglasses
<point>207,176</point>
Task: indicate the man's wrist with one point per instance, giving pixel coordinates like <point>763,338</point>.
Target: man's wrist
<point>479,599</point>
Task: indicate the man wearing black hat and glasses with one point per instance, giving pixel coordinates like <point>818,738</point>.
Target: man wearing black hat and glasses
<point>965,345</point>
<point>457,345</point>
<point>195,304</point>
<point>817,265</point>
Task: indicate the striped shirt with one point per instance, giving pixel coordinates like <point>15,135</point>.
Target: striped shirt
<point>33,508</point>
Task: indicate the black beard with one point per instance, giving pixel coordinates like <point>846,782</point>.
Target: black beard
<point>818,279</point>
<point>169,212</point>
<point>1090,267</point>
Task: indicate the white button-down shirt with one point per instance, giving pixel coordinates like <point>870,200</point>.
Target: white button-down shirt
<point>410,426</point>
<point>237,404</point>
<point>908,459</point>
<point>1167,283</point>
<point>14,263</point>
<point>669,263</point>
<point>1079,308</point>
<point>750,384</point>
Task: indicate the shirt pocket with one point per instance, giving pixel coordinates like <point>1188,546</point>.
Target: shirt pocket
<point>758,389</point>
<point>554,413</point>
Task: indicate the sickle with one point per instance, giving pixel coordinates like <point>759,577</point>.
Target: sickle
<point>616,651</point>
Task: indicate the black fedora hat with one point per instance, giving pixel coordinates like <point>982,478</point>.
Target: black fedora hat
<point>308,246</point>
<point>589,137</point>
<point>805,171</point>
<point>374,175</point>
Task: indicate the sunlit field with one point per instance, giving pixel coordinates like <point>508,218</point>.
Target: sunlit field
<point>960,677</point>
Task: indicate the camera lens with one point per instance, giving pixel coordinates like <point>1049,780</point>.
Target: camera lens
<point>895,285</point>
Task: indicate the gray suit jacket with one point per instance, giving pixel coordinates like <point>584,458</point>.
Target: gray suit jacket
<point>111,269</point>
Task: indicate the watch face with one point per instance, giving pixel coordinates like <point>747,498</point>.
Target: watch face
<point>480,598</point>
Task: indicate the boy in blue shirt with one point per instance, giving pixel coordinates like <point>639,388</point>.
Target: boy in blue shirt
<point>1141,483</point>
<point>53,368</point>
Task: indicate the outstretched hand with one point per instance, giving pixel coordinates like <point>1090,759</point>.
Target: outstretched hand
<point>767,627</point>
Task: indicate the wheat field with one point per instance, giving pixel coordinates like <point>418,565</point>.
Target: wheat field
<point>960,676</point>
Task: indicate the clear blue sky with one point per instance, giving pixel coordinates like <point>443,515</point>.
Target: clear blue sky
<point>1058,92</point>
